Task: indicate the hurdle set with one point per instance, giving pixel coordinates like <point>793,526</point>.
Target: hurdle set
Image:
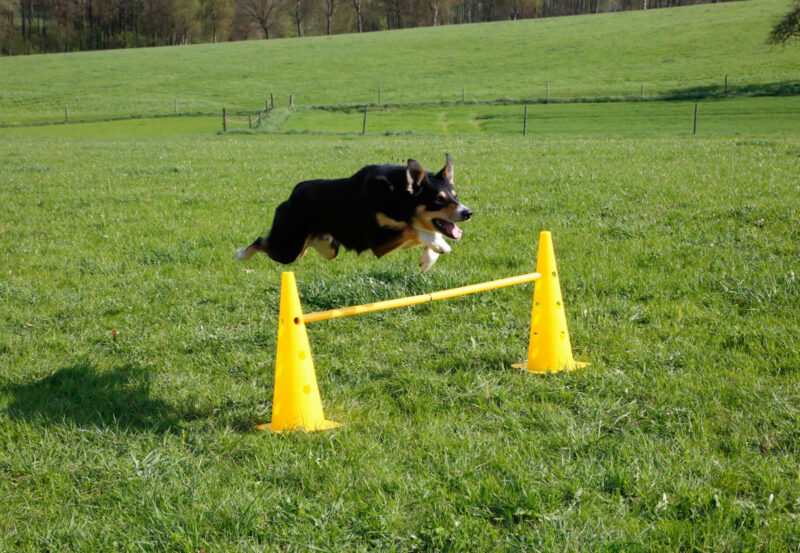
<point>296,403</point>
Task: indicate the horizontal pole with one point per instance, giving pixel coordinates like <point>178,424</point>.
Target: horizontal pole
<point>422,298</point>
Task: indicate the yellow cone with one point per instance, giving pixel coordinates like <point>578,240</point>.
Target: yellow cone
<point>549,349</point>
<point>296,404</point>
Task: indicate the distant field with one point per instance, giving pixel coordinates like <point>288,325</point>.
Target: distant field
<point>745,116</point>
<point>597,55</point>
<point>748,116</point>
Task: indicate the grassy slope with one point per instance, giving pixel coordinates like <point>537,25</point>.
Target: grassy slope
<point>590,55</point>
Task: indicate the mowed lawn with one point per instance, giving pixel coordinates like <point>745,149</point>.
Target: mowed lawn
<point>679,260</point>
<point>746,116</point>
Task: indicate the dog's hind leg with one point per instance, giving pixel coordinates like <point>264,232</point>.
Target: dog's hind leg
<point>427,259</point>
<point>258,245</point>
<point>325,244</point>
<point>289,235</point>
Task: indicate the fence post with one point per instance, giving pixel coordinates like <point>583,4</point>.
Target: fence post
<point>694,131</point>
<point>224,120</point>
<point>250,120</point>
<point>641,93</point>
<point>463,95</point>
<point>176,106</point>
<point>291,100</point>
<point>259,119</point>
<point>271,101</point>
<point>548,89</point>
<point>364,126</point>
<point>726,84</point>
<point>525,122</point>
<point>379,95</point>
<point>66,115</point>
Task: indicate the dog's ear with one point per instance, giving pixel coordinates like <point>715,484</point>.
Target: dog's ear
<point>414,175</point>
<point>447,172</point>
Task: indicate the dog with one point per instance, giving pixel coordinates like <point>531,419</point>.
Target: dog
<point>381,208</point>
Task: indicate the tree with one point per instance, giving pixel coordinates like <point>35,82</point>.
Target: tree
<point>787,28</point>
<point>214,17</point>
<point>299,15</point>
<point>357,6</point>
<point>329,7</point>
<point>434,6</point>
<point>262,13</point>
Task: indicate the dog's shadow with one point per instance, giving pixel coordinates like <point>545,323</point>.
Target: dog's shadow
<point>87,397</point>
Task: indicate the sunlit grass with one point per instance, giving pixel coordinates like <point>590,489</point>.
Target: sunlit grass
<point>679,263</point>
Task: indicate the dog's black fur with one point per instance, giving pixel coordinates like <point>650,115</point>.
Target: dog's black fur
<point>380,208</point>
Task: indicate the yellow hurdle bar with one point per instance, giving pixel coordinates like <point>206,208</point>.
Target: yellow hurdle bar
<point>422,298</point>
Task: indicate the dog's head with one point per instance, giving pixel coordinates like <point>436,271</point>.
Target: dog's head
<point>437,206</point>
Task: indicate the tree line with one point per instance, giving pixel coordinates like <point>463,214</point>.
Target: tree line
<point>39,26</point>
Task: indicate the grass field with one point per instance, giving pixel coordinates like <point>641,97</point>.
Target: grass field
<point>679,258</point>
<point>679,262</point>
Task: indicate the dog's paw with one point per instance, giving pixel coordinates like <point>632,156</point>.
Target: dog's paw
<point>243,254</point>
<point>440,245</point>
<point>427,259</point>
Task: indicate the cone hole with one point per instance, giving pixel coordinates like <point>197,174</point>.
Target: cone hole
<point>306,389</point>
<point>297,320</point>
<point>554,274</point>
<point>537,303</point>
<point>563,335</point>
<point>558,305</point>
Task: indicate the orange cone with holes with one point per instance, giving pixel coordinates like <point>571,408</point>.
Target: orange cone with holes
<point>549,349</point>
<point>296,404</point>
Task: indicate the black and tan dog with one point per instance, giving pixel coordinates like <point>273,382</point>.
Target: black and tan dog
<point>381,208</point>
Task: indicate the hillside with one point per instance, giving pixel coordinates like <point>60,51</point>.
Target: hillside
<point>595,55</point>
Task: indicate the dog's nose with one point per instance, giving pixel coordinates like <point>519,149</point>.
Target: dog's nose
<point>466,214</point>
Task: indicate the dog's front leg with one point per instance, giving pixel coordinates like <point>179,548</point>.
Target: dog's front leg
<point>433,240</point>
<point>427,259</point>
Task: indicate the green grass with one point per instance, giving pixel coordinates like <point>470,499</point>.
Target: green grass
<point>679,260</point>
<point>597,55</point>
<point>738,116</point>
<point>748,116</point>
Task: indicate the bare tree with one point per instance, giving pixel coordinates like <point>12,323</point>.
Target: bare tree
<point>357,6</point>
<point>434,6</point>
<point>299,14</point>
<point>330,7</point>
<point>263,13</point>
<point>214,17</point>
<point>787,28</point>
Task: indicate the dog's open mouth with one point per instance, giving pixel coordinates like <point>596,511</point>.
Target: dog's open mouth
<point>447,228</point>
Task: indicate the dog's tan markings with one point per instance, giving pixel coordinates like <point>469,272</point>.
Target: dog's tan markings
<point>406,239</point>
<point>424,219</point>
<point>443,195</point>
<point>384,221</point>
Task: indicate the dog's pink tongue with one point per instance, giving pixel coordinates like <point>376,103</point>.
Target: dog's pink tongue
<point>456,232</point>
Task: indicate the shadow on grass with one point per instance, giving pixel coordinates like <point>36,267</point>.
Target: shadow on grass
<point>119,397</point>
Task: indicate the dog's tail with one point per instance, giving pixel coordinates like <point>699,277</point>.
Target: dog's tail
<point>258,245</point>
